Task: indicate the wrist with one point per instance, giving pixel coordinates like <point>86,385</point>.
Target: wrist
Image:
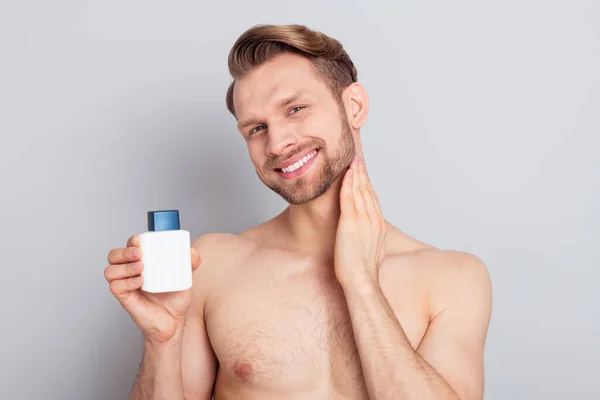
<point>160,372</point>
<point>162,354</point>
<point>362,282</point>
<point>158,341</point>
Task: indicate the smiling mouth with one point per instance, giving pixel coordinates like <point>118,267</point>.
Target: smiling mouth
<point>299,163</point>
<point>299,167</point>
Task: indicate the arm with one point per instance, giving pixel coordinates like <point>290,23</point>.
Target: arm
<point>184,367</point>
<point>199,362</point>
<point>449,361</point>
<point>159,376</point>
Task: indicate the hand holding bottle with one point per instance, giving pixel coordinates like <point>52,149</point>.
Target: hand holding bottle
<point>158,315</point>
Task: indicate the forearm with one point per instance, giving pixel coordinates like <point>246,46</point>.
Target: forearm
<point>391,367</point>
<point>159,376</point>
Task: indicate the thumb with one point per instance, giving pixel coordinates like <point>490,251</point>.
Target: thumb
<point>195,258</point>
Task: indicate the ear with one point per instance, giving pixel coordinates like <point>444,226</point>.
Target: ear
<point>356,100</point>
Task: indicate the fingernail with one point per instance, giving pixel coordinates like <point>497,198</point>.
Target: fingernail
<point>135,252</point>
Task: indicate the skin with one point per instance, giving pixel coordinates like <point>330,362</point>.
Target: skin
<point>327,300</point>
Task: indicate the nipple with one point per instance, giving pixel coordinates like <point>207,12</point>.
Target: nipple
<point>243,370</point>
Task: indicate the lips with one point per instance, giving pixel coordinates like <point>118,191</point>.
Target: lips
<point>294,159</point>
<point>299,167</point>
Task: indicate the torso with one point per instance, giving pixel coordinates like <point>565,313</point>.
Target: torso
<point>279,325</point>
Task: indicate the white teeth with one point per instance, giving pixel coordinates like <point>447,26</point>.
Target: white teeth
<point>299,163</point>
<point>291,168</point>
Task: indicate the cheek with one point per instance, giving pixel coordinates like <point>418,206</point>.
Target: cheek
<point>259,159</point>
<point>256,158</point>
<point>329,130</point>
<point>322,126</point>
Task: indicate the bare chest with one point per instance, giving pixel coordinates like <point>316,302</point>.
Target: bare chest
<point>289,331</point>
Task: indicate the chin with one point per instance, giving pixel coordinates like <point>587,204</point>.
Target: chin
<point>302,189</point>
<point>303,193</point>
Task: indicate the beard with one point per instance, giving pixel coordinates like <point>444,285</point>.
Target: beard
<point>301,190</point>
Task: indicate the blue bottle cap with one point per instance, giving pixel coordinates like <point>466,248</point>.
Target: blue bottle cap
<point>163,220</point>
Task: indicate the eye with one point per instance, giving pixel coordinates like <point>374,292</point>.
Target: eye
<point>296,109</point>
<point>254,130</point>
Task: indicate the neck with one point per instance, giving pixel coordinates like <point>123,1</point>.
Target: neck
<point>312,226</point>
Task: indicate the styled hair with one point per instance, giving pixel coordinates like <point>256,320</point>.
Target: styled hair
<point>262,42</point>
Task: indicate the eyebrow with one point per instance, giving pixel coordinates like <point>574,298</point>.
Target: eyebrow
<point>284,102</point>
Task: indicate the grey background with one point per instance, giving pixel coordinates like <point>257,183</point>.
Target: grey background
<point>482,137</point>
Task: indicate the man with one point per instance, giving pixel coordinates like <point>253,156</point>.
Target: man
<point>327,300</point>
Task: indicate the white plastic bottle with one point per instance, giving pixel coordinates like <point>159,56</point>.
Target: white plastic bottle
<point>166,253</point>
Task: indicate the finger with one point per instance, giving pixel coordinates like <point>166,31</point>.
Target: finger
<point>346,192</point>
<point>195,259</point>
<point>357,189</point>
<point>376,202</point>
<point>133,241</point>
<point>373,195</point>
<point>366,190</point>
<point>128,293</point>
<point>124,255</point>
<point>366,177</point>
<point>123,287</point>
<point>123,271</point>
<point>370,196</point>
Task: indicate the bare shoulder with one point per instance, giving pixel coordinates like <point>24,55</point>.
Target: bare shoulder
<point>446,264</point>
<point>454,279</point>
<point>219,252</point>
<point>442,273</point>
<point>223,245</point>
<point>445,278</point>
<point>213,244</point>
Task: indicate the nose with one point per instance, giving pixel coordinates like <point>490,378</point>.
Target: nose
<point>280,140</point>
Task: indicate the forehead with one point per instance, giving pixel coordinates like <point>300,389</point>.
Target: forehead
<point>282,76</point>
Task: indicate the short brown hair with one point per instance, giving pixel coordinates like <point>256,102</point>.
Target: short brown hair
<point>263,42</point>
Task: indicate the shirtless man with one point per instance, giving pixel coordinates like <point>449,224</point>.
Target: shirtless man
<point>327,300</point>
